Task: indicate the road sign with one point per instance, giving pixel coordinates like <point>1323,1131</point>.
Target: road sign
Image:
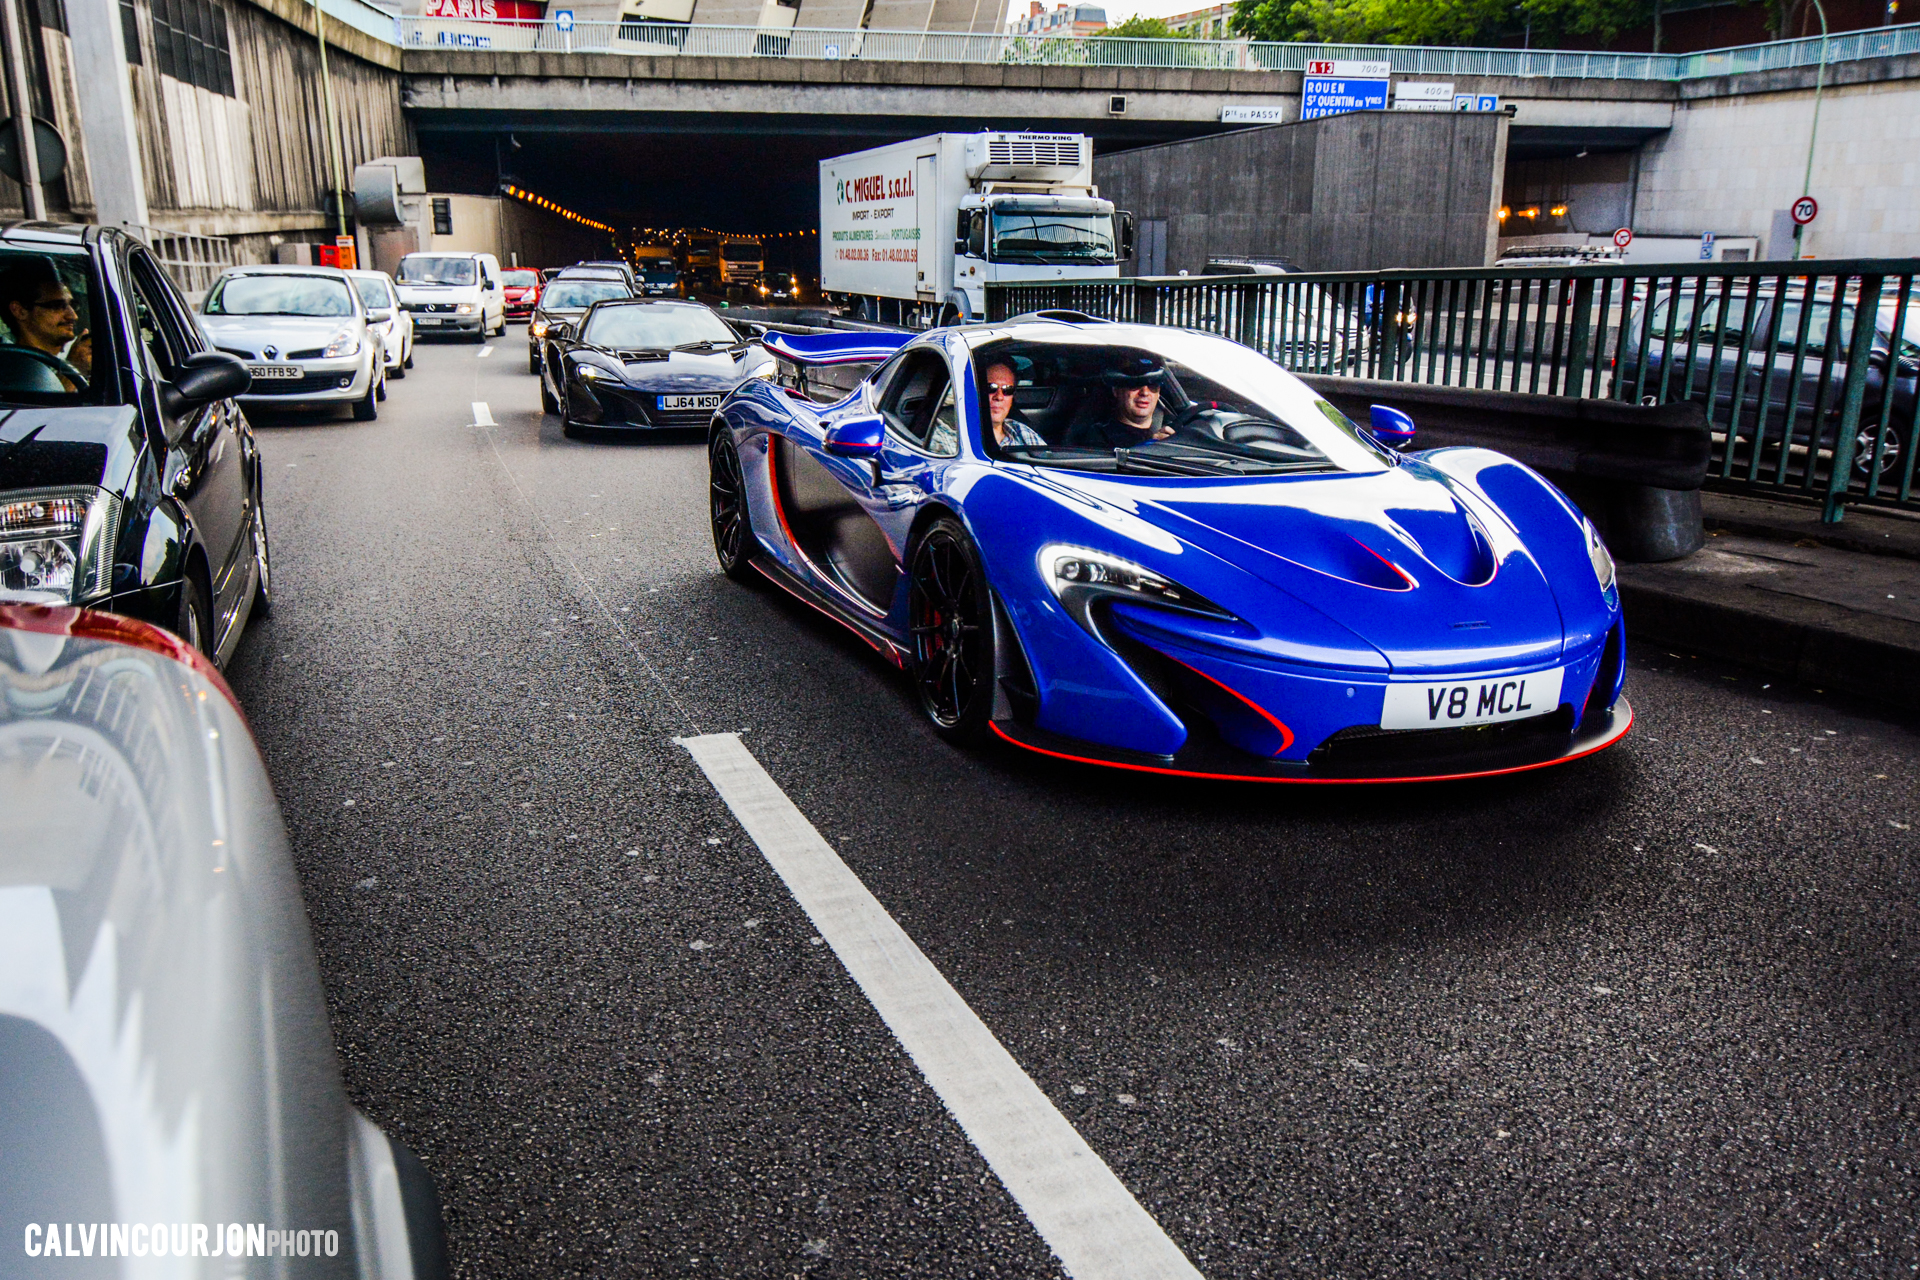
<point>1253,115</point>
<point>831,51</point>
<point>1418,95</point>
<point>1805,210</point>
<point>1333,88</point>
<point>563,20</point>
<point>1476,102</point>
<point>1623,237</point>
<point>1706,246</point>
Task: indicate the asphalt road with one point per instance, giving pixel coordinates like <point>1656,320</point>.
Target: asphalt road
<point>1653,1013</point>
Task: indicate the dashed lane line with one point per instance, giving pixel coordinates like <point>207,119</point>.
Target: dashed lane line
<point>482,415</point>
<point>1084,1213</point>
<point>483,352</point>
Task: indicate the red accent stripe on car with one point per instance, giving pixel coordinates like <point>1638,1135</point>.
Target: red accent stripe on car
<point>93,624</point>
<point>1286,734</point>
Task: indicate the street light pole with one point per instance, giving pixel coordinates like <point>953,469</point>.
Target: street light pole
<point>333,131</point>
<point>1813,135</point>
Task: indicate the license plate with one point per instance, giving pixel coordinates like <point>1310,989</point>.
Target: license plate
<point>689,402</point>
<point>426,319</point>
<point>275,370</point>
<point>1454,703</point>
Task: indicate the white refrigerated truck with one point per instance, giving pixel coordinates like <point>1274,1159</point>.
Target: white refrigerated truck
<point>912,233</point>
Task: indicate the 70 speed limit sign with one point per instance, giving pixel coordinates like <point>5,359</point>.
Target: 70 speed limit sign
<point>1805,209</point>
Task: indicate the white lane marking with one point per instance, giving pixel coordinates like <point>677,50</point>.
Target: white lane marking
<point>482,415</point>
<point>483,352</point>
<point>1084,1213</point>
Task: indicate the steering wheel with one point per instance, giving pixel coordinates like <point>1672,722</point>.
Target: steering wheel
<point>55,363</point>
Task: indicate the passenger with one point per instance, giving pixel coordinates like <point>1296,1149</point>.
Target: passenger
<point>1134,415</point>
<point>41,316</point>
<point>1007,426</point>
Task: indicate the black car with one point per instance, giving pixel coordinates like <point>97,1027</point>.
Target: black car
<point>562,302</point>
<point>636,363</point>
<point>1770,354</point>
<point>129,477</point>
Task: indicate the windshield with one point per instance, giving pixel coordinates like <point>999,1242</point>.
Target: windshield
<point>47,353</point>
<point>1029,234</point>
<point>373,293</point>
<point>519,279</point>
<point>1179,404</point>
<point>420,270</point>
<point>578,295</point>
<point>659,269</point>
<point>740,252</point>
<point>279,296</point>
<point>652,327</point>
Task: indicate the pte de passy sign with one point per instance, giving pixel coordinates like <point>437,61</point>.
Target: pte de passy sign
<point>1333,88</point>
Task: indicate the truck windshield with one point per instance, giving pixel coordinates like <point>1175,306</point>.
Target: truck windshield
<point>740,252</point>
<point>1046,235</point>
<point>451,271</point>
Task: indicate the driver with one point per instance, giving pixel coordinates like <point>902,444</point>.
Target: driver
<point>1134,416</point>
<point>40,313</point>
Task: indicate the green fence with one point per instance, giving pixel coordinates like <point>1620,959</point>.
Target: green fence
<point>1807,370</point>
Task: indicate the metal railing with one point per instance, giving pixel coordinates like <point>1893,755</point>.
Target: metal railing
<point>647,38</point>
<point>1807,372</point>
<point>194,261</point>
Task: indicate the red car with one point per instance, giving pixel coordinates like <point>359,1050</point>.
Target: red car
<point>522,285</point>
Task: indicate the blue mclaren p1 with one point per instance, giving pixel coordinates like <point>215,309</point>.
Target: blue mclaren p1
<point>1157,550</point>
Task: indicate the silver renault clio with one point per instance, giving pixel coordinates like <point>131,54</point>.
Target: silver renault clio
<point>304,333</point>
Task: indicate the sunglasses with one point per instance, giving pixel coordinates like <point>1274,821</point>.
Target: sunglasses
<point>999,388</point>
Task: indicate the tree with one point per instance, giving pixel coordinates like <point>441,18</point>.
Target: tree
<point>1441,22</point>
<point>1139,28</point>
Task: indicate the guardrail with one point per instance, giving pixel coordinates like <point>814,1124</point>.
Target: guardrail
<point>651,39</point>
<point>1807,372</point>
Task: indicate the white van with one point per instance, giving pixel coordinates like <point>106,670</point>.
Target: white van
<point>453,293</point>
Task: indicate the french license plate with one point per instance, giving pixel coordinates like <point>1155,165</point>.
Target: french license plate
<point>689,402</point>
<point>1456,703</point>
<point>275,370</point>
<point>426,319</point>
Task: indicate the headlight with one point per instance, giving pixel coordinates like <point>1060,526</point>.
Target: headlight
<point>538,328</point>
<point>1078,577</point>
<point>56,545</point>
<point>344,343</point>
<point>464,309</point>
<point>1597,554</point>
<point>594,373</point>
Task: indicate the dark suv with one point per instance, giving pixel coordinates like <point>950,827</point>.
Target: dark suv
<point>129,478</point>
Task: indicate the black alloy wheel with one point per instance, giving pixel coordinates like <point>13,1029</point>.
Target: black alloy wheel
<point>727,507</point>
<point>192,623</point>
<point>567,427</point>
<point>533,360</point>
<point>950,608</point>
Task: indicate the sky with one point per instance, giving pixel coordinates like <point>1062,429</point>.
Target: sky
<point>1120,10</point>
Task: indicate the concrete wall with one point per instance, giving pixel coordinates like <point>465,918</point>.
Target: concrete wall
<point>1736,156</point>
<point>1357,192</point>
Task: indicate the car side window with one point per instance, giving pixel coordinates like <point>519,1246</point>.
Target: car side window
<point>158,332</point>
<point>915,397</point>
<point>183,329</point>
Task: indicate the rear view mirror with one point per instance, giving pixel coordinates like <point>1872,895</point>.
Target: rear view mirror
<point>1126,233</point>
<point>1390,427</point>
<point>381,316</point>
<point>857,437</point>
<point>205,376</point>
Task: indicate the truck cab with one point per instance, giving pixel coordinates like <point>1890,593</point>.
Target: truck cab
<point>1017,235</point>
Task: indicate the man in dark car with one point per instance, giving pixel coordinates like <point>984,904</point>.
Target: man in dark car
<point>41,315</point>
<point>1133,417</point>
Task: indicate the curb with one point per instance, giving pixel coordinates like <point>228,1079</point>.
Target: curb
<point>1823,646</point>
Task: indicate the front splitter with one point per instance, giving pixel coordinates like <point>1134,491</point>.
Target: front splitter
<point>1195,764</point>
